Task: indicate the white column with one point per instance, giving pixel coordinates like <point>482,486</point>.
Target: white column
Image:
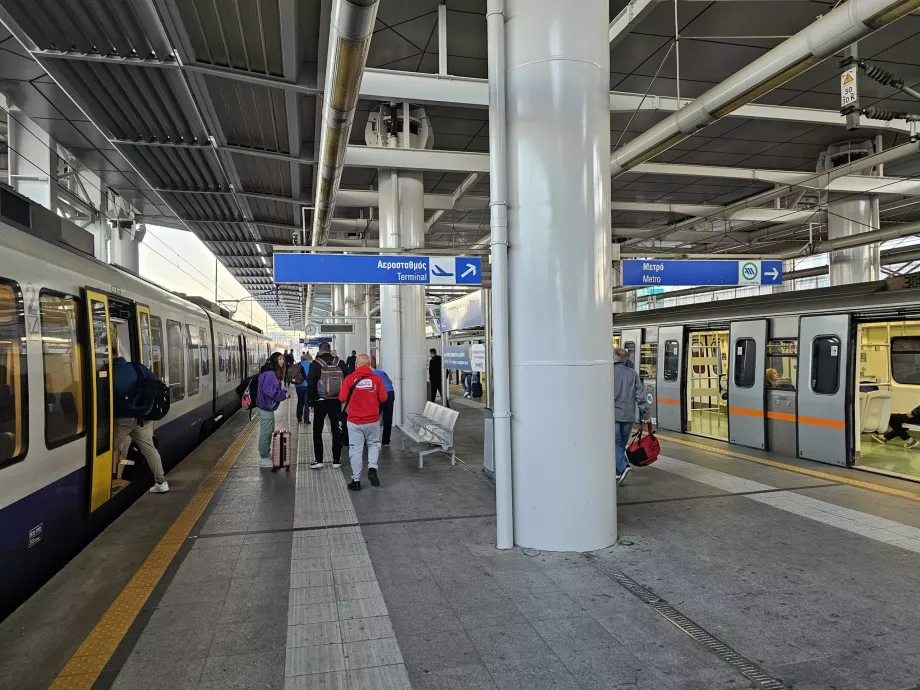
<point>561,356</point>
<point>412,297</point>
<point>849,214</point>
<point>338,311</point>
<point>356,314</point>
<point>388,358</point>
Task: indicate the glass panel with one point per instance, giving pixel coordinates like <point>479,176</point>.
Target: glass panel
<point>825,365</point>
<point>782,364</point>
<point>14,390</point>
<point>671,360</point>
<point>205,351</point>
<point>175,360</point>
<point>191,334</point>
<point>145,339</point>
<point>630,348</point>
<point>745,362</point>
<point>156,350</point>
<point>648,361</point>
<point>103,398</point>
<point>63,362</point>
<point>905,360</point>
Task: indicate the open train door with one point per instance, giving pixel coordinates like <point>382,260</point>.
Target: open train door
<point>670,385</point>
<point>747,420</point>
<point>100,361</point>
<point>823,389</point>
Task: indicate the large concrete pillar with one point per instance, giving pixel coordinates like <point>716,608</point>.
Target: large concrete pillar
<point>412,297</point>
<point>558,89</point>
<point>388,358</point>
<point>356,314</point>
<point>338,311</point>
<point>847,215</point>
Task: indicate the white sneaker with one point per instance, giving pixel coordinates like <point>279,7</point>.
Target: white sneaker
<point>911,444</point>
<point>266,463</point>
<point>879,438</point>
<point>621,480</point>
<point>159,488</point>
<point>336,465</point>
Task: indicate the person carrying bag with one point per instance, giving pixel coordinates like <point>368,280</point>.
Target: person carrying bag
<point>644,449</point>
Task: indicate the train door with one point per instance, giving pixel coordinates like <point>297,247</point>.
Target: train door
<point>143,330</point>
<point>631,340</point>
<point>707,383</point>
<point>747,366</point>
<point>100,360</point>
<point>670,377</point>
<point>823,391</point>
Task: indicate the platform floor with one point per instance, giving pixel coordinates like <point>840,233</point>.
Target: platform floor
<point>289,581</point>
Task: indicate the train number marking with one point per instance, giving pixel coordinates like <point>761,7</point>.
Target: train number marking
<point>35,535</point>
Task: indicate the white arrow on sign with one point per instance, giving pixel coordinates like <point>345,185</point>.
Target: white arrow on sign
<point>470,271</point>
<point>773,274</point>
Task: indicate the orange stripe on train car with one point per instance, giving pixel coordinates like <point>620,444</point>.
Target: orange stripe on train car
<point>827,423</point>
<point>668,401</point>
<point>781,416</point>
<point>745,412</point>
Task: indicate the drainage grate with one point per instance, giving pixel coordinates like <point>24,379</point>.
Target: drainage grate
<point>743,665</point>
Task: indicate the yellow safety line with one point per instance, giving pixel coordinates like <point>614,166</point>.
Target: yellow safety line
<point>792,468</point>
<point>84,667</point>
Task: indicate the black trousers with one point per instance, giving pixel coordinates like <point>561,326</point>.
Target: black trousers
<point>321,410</point>
<point>435,389</point>
<point>897,422</point>
<point>386,412</point>
<point>303,410</point>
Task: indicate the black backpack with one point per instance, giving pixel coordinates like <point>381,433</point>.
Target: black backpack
<point>248,391</point>
<point>148,397</point>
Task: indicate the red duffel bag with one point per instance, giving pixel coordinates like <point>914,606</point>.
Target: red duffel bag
<point>644,448</point>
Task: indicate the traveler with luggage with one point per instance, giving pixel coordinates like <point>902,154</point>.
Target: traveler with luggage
<point>324,383</point>
<point>363,393</point>
<point>268,397</point>
<point>628,393</point>
<point>386,409</point>
<point>140,398</point>
<point>298,376</point>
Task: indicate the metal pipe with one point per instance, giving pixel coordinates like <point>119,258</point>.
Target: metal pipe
<point>834,31</point>
<point>851,241</point>
<point>498,240</point>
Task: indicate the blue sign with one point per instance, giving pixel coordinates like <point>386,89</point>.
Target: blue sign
<point>465,312</point>
<point>457,358</point>
<point>657,272</point>
<point>370,269</point>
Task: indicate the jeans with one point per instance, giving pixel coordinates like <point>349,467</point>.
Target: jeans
<point>266,429</point>
<point>361,434</point>
<point>897,422</point>
<point>303,410</point>
<point>466,380</point>
<point>142,435</point>
<point>623,430</point>
<point>386,415</point>
<point>321,410</point>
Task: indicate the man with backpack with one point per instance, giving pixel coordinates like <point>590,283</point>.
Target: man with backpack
<point>386,409</point>
<point>136,402</point>
<point>288,363</point>
<point>299,378</point>
<point>324,383</point>
<point>628,393</point>
<point>363,393</point>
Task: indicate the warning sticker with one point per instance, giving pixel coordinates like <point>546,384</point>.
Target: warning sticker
<point>849,93</point>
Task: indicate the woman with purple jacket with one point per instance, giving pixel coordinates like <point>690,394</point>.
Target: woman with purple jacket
<point>269,396</point>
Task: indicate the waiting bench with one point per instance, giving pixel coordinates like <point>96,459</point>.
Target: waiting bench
<point>434,426</point>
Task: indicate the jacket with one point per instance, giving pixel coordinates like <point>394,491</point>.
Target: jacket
<point>306,370</point>
<point>271,392</point>
<point>385,378</point>
<point>368,396</point>
<point>628,392</point>
<point>351,363</point>
<point>315,371</point>
<point>123,379</point>
<point>434,369</point>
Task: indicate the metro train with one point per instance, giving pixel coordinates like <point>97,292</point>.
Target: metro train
<point>62,313</point>
<point>812,374</point>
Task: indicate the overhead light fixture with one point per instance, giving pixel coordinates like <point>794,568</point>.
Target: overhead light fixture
<point>264,262</point>
<point>258,247</point>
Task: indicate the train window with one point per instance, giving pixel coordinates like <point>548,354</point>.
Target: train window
<point>671,360</point>
<point>905,360</point>
<point>63,361</point>
<point>145,338</point>
<point>783,358</point>
<point>745,362</point>
<point>648,360</point>
<point>630,348</point>
<point>194,360</point>
<point>156,347</point>
<point>221,351</point>
<point>205,352</point>
<point>175,360</point>
<point>825,364</point>
<point>14,389</point>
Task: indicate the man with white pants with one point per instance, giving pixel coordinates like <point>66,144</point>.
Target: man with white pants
<point>363,392</point>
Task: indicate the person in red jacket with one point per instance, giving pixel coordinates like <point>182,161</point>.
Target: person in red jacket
<point>367,393</point>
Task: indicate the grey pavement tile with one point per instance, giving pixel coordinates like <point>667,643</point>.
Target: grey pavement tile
<point>612,667</point>
<point>361,608</point>
<point>219,553</point>
<point>358,629</point>
<point>505,642</point>
<point>258,588</point>
<point>152,674</point>
<point>317,659</point>
<point>348,549</point>
<point>358,590</point>
<point>208,571</point>
<point>175,645</point>
<point>350,562</point>
<point>379,678</point>
<point>546,605</point>
<point>244,637</point>
<point>438,650</point>
<point>310,565</point>
<point>457,678</point>
<point>516,582</point>
<point>582,580</point>
<point>313,578</point>
<point>302,596</point>
<point>482,612</point>
<point>362,574</point>
<point>877,668</point>
<point>236,610</point>
<point>313,613</point>
<point>267,537</point>
<point>536,673</point>
<point>312,634</point>
<point>814,675</point>
<point>193,592</point>
<point>271,549</point>
<point>318,551</point>
<point>575,633</point>
<point>170,619</point>
<point>382,651</point>
<point>317,681</point>
<point>270,568</point>
<point>215,542</point>
<point>258,671</point>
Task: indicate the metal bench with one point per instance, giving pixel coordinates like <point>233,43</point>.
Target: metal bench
<point>434,426</point>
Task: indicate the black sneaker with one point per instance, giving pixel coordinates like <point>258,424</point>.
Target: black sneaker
<point>336,464</point>
<point>316,465</point>
<point>354,486</point>
<point>372,475</point>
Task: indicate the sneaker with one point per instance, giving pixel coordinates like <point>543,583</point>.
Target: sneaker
<point>354,486</point>
<point>336,464</point>
<point>621,480</point>
<point>300,421</point>
<point>913,443</point>
<point>306,421</point>
<point>266,462</point>
<point>372,476</point>
<point>879,438</point>
<point>316,466</point>
<point>159,488</point>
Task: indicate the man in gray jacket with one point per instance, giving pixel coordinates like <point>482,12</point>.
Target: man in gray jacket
<point>628,392</point>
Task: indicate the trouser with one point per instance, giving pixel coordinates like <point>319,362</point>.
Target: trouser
<point>897,422</point>
<point>361,435</point>
<point>142,435</point>
<point>623,430</point>
<point>303,410</point>
<point>386,415</point>
<point>466,381</point>
<point>266,429</point>
<point>435,389</point>
<point>321,410</point>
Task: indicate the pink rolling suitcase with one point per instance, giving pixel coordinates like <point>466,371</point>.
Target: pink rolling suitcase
<point>281,450</point>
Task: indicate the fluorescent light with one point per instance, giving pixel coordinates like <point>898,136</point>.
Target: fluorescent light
<point>264,262</point>
<point>258,248</point>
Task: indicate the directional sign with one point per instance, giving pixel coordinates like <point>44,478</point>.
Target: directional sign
<point>655,273</point>
<point>369,269</point>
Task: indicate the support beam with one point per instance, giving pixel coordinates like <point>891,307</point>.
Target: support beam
<point>629,18</point>
<point>760,215</point>
<point>416,159</point>
<point>464,187</point>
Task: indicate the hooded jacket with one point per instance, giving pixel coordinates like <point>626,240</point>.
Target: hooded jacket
<point>369,394</point>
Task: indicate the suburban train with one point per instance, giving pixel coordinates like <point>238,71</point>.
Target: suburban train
<point>62,316</point>
<point>813,374</point>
